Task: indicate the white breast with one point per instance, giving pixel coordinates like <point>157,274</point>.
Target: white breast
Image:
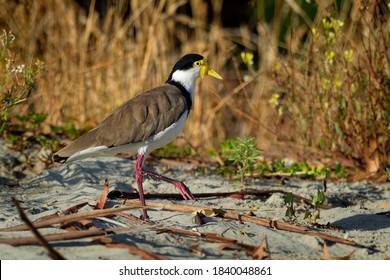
<point>163,137</point>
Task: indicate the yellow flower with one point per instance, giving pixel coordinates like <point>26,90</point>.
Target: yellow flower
<point>247,57</point>
<point>329,56</point>
<point>274,100</point>
<point>348,55</point>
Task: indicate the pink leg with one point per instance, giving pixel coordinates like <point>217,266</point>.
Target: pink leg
<point>138,176</point>
<point>183,189</point>
<point>139,171</point>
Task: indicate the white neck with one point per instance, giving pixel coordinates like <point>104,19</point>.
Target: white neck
<point>187,78</point>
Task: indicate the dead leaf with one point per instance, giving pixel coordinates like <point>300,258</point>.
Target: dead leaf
<point>199,219</point>
<point>74,208</point>
<point>261,251</point>
<point>258,253</point>
<point>79,225</point>
<point>206,212</point>
<point>197,251</point>
<point>102,239</point>
<point>359,176</point>
<point>267,250</point>
<point>103,198</point>
<point>87,223</point>
<point>327,256</point>
<point>242,232</point>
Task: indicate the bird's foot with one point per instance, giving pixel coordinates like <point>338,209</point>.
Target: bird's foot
<point>184,190</point>
<point>144,215</point>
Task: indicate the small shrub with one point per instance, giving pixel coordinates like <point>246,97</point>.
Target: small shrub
<point>242,154</point>
<point>16,81</point>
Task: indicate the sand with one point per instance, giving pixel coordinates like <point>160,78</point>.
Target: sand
<point>360,208</point>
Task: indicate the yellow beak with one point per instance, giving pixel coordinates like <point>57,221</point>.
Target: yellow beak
<point>205,70</point>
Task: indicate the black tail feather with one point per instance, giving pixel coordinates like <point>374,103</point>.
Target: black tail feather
<point>57,158</point>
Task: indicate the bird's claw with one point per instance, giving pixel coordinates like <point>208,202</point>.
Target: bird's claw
<point>184,191</point>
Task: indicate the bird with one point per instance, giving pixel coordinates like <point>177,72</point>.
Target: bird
<point>145,123</point>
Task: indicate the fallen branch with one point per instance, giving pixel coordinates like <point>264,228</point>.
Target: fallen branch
<point>70,210</point>
<point>18,241</point>
<point>297,198</point>
<point>52,252</point>
<point>260,221</point>
<point>204,235</point>
<point>69,218</point>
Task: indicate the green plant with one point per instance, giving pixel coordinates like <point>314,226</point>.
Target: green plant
<point>335,89</point>
<point>289,202</point>
<point>31,121</point>
<point>339,170</point>
<point>16,80</point>
<point>296,169</point>
<point>387,173</point>
<point>319,199</point>
<point>48,141</point>
<point>173,151</point>
<point>242,154</point>
<point>312,75</point>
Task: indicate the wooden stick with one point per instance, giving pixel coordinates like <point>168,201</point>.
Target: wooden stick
<point>52,252</point>
<point>18,241</point>
<point>260,221</point>
<point>205,235</point>
<point>72,209</point>
<point>297,198</point>
<point>69,218</point>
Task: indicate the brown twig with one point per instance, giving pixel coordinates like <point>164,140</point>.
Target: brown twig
<point>18,241</point>
<point>103,198</point>
<point>69,218</point>
<point>260,221</point>
<point>205,235</point>
<point>112,231</point>
<point>52,252</point>
<point>68,211</point>
<point>297,198</point>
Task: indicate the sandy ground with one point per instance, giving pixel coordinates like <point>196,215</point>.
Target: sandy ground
<point>360,208</point>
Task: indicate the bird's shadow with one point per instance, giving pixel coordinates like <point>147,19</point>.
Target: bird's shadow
<point>88,172</point>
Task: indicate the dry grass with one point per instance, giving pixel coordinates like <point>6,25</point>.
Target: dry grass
<point>93,65</point>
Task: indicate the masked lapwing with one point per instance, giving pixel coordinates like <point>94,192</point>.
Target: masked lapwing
<point>145,123</point>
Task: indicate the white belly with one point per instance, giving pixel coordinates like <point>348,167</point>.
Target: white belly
<point>152,143</point>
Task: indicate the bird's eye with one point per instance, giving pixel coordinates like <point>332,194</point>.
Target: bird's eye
<point>197,63</point>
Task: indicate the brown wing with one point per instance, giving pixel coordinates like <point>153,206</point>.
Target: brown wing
<point>135,120</point>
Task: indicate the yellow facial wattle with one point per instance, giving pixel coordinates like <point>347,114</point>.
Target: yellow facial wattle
<point>205,70</point>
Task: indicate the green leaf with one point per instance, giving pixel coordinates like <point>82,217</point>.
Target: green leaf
<point>319,199</point>
<point>290,212</point>
<point>289,198</point>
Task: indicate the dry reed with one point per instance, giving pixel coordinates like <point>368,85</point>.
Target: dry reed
<point>95,62</point>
